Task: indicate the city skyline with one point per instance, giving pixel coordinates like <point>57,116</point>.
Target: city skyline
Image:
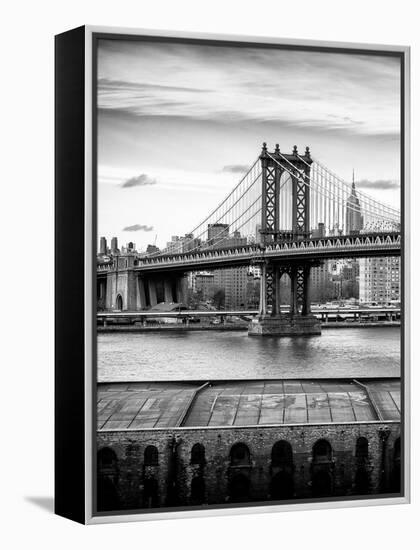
<point>172,148</point>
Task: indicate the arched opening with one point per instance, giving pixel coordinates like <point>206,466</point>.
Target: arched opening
<point>322,480</point>
<point>321,483</point>
<point>362,448</point>
<point>322,451</point>
<point>396,468</point>
<point>239,455</point>
<point>151,456</point>
<point>119,302</point>
<point>282,486</point>
<point>107,479</point>
<point>239,488</point>
<point>361,481</point>
<point>198,490</point>
<point>198,454</point>
<point>150,493</point>
<point>281,454</point>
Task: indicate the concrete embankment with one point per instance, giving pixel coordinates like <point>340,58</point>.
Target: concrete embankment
<point>229,327</point>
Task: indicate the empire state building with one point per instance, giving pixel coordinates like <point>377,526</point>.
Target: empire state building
<point>354,218</point>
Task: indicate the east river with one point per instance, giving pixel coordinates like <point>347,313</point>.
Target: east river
<point>215,355</point>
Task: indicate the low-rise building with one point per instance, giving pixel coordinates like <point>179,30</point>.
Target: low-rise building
<point>180,444</point>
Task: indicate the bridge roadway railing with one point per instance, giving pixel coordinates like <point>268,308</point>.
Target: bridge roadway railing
<point>374,244</point>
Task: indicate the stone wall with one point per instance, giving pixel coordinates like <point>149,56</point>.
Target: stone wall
<point>132,288</point>
<point>170,481</point>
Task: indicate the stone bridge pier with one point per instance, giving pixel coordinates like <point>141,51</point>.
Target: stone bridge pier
<point>299,320</point>
<point>124,289</point>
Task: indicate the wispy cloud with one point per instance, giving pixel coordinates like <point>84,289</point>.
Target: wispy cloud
<point>235,168</point>
<point>348,93</point>
<point>138,227</point>
<point>108,85</point>
<point>138,181</point>
<point>378,184</point>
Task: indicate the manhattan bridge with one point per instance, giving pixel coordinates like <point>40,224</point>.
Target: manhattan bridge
<point>286,215</point>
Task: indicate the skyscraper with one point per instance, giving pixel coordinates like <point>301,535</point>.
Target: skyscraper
<point>103,246</point>
<point>354,218</point>
<point>234,282</point>
<point>114,245</point>
<point>217,233</point>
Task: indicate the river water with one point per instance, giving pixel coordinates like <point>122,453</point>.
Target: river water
<point>216,355</point>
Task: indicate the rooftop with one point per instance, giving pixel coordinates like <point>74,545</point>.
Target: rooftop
<point>145,405</point>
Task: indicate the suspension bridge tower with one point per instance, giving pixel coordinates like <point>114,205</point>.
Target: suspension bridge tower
<point>275,168</point>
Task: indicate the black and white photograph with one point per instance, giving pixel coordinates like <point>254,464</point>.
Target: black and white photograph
<point>249,274</point>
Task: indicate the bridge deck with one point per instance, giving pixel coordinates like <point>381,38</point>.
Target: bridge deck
<point>136,406</point>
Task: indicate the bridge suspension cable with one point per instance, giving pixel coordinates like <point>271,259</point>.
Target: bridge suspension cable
<point>222,226</point>
<point>331,203</point>
<point>252,217</point>
<point>334,204</point>
<point>362,194</point>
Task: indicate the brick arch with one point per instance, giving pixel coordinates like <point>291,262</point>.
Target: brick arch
<point>151,456</point>
<point>282,453</point>
<point>198,454</point>
<point>362,448</point>
<point>240,454</point>
<point>322,451</point>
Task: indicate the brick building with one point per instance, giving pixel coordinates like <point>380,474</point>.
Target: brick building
<point>379,280</point>
<point>174,444</point>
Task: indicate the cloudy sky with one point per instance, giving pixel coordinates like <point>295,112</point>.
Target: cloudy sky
<point>179,124</point>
